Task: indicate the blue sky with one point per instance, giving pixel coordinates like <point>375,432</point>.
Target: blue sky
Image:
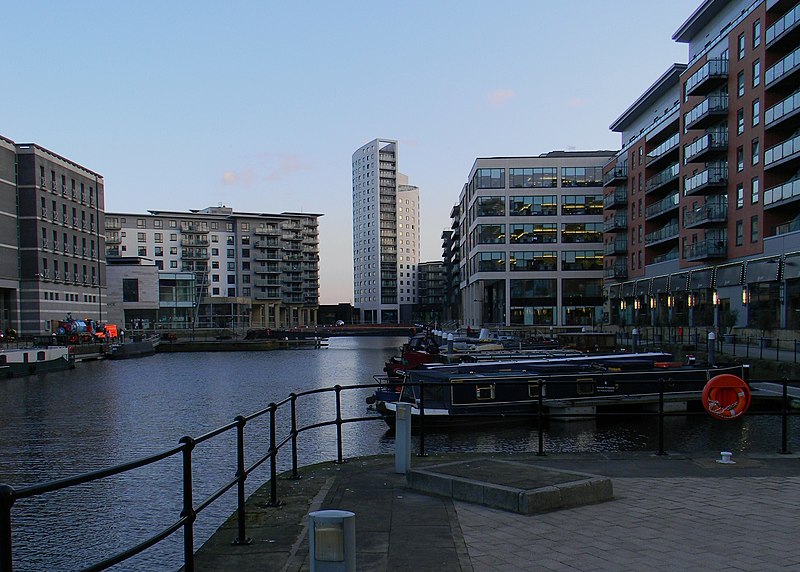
<point>260,105</point>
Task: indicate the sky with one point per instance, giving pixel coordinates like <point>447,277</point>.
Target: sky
<point>259,105</point>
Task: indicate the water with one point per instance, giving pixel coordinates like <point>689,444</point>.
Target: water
<point>109,412</point>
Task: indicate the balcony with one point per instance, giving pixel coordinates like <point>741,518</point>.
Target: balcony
<point>616,200</point>
<point>785,30</point>
<point>195,241</point>
<point>664,152</point>
<point>616,247</point>
<point>267,269</point>
<point>712,109</point>
<point>663,179</point>
<point>272,243</point>
<point>708,77</point>
<point>667,256</point>
<point>785,153</point>
<point>664,234</point>
<point>275,295</point>
<point>616,272</point>
<point>269,231</point>
<point>710,214</point>
<point>194,255</point>
<point>617,223</point>
<point>113,239</point>
<point>788,192</point>
<point>783,70</point>
<point>709,145</point>
<point>788,227</point>
<point>708,181</point>
<point>662,207</point>
<point>112,225</point>
<point>267,256</point>
<point>615,175</point>
<point>786,113</point>
<point>706,249</point>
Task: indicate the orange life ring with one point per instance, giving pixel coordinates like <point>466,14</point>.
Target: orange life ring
<point>726,396</point>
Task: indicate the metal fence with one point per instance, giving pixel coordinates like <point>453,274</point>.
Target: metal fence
<point>287,444</point>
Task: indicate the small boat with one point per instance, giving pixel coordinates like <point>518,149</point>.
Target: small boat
<point>133,349</point>
<point>504,391</point>
<point>29,361</point>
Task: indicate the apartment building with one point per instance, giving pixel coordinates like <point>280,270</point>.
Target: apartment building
<point>530,234</point>
<point>430,307</point>
<point>51,246</point>
<point>702,204</point>
<point>386,235</point>
<point>255,270</point>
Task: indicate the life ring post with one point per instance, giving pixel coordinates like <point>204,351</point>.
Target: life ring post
<point>726,396</point>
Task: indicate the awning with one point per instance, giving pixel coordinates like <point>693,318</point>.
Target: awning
<point>613,292</point>
<point>729,275</point>
<point>629,290</point>
<point>660,285</point>
<point>763,270</point>
<point>643,287</point>
<point>678,282</point>
<point>791,266</point>
<point>701,279</point>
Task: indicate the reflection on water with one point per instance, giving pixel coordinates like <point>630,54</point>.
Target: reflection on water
<point>105,413</point>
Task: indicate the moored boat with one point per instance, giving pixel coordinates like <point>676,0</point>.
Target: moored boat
<point>492,392</point>
<point>29,361</point>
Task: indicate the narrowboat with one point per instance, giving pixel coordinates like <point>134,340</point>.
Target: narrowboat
<point>492,392</point>
<point>29,361</point>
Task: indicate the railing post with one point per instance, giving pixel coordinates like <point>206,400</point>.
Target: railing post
<point>241,475</point>
<point>785,418</point>
<point>293,402</point>
<point>540,418</point>
<point>339,459</point>
<point>422,452</point>
<point>188,508</point>
<point>7,499</point>
<point>273,462</point>
<point>661,451</point>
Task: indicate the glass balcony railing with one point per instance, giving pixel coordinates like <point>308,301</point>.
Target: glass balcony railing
<point>710,106</point>
<point>786,191</point>
<point>706,249</point>
<point>617,173</point>
<point>782,109</point>
<point>784,23</point>
<point>712,141</point>
<point>666,233</point>
<point>705,214</point>
<point>715,68</point>
<point>662,178</point>
<point>716,175</point>
<point>783,68</point>
<point>663,206</point>
<point>619,198</point>
<point>663,148</point>
<point>618,222</point>
<point>782,151</point>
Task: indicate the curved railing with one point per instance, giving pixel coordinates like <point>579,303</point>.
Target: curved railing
<point>191,507</point>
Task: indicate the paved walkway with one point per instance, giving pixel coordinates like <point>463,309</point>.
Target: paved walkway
<point>669,513</point>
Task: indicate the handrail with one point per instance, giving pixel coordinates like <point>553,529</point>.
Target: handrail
<point>190,510</point>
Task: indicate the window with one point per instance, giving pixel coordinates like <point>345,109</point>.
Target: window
<point>754,153</point>
<point>739,196</point>
<point>739,233</point>
<point>158,223</point>
<point>489,178</point>
<point>245,240</point>
<point>754,190</point>
<point>215,264</point>
<point>740,43</point>
<point>173,250</point>
<point>582,232</point>
<point>582,260</point>
<point>541,205</point>
<point>756,73</point>
<point>215,291</point>
<point>489,262</point>
<point>159,251</point>
<point>582,204</point>
<point>140,237</point>
<point>246,279</point>
<point>158,237</point>
<point>740,121</point>
<point>215,252</point>
<point>245,253</point>
<point>231,253</point>
<point>756,33</point>
<point>173,224</point>
<point>739,158</point>
<point>535,233</point>
<point>231,279</point>
<point>491,206</point>
<point>173,263</point>
<point>215,277</point>
<point>756,112</point>
<point>214,238</point>
<point>245,226</point>
<point>231,267</point>
<point>140,223</point>
<point>142,251</point>
<point>536,177</point>
<point>229,240</point>
<point>173,237</point>
<point>754,228</point>
<point>533,261</point>
<point>130,290</point>
<point>160,264</point>
<point>491,234</point>
<point>232,292</point>
<point>214,225</point>
<point>581,176</point>
<point>740,84</point>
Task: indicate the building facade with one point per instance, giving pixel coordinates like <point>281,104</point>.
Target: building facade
<point>711,238</point>
<point>386,235</point>
<point>530,234</point>
<point>431,299</point>
<point>255,270</point>
<point>51,244</point>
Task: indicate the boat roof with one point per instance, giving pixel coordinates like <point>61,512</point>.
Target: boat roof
<point>579,359</point>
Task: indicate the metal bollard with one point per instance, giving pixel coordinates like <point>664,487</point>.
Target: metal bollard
<point>635,342</point>
<point>332,541</point>
<point>712,349</point>
<point>402,439</point>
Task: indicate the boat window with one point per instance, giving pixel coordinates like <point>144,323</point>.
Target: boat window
<point>585,386</point>
<point>484,392</point>
<point>39,356</point>
<point>533,388</point>
<point>3,360</point>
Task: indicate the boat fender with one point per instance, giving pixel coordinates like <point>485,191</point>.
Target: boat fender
<point>726,396</point>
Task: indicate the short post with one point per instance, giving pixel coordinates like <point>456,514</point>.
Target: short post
<point>402,439</point>
<point>241,475</point>
<point>449,343</point>
<point>635,342</point>
<point>188,509</point>
<point>712,349</point>
<point>332,541</point>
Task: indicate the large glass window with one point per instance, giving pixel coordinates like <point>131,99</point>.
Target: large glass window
<point>533,301</point>
<point>582,232</point>
<point>581,176</point>
<point>582,260</point>
<point>534,233</point>
<point>542,205</point>
<point>490,178</point>
<point>533,261</point>
<point>489,262</point>
<point>491,206</point>
<point>581,204</point>
<point>490,234</point>
<point>130,290</point>
<point>534,177</point>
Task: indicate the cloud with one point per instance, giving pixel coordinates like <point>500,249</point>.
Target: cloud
<point>500,97</point>
<point>265,167</point>
<point>577,102</point>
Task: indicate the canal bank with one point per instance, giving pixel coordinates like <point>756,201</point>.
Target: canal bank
<point>668,512</point>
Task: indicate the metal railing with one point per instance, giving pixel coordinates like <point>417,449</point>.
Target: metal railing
<point>191,507</point>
